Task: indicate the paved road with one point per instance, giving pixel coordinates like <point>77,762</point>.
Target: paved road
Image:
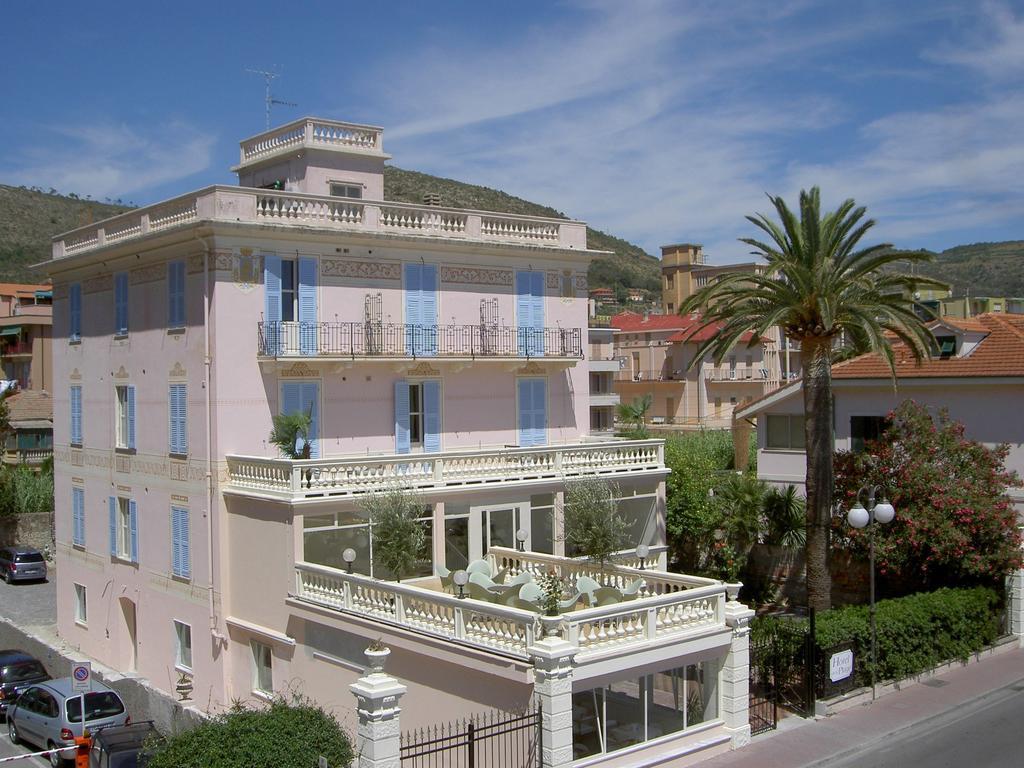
<point>30,603</point>
<point>9,750</point>
<point>985,733</point>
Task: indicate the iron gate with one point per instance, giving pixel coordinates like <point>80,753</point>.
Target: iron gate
<point>491,740</point>
<point>784,672</point>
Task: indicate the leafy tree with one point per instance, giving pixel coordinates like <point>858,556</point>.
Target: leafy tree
<point>820,287</point>
<point>593,526</point>
<point>635,414</point>
<point>954,523</point>
<point>290,431</point>
<point>284,734</point>
<point>784,513</point>
<point>398,536</point>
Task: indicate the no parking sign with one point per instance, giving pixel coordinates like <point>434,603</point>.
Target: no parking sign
<point>81,676</point>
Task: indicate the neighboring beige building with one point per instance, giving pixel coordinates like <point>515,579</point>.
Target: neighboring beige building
<point>655,352</point>
<point>604,366</point>
<point>684,272</point>
<point>25,354</point>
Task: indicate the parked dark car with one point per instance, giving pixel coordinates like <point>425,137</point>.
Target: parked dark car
<point>49,715</point>
<point>21,564</point>
<point>18,671</point>
<point>123,746</point>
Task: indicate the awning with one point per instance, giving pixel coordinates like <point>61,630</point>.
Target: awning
<point>44,294</point>
<point>10,330</point>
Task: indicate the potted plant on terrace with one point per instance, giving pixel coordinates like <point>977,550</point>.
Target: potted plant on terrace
<point>398,536</point>
<point>593,527</point>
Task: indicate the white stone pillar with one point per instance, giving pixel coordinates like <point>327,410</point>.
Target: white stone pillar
<point>553,661</point>
<point>1015,605</point>
<point>736,670</point>
<point>379,731</point>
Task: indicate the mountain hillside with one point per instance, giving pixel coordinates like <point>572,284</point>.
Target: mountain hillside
<point>983,269</point>
<point>30,217</point>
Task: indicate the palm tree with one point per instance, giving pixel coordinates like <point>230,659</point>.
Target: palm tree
<point>822,290</point>
<point>291,434</point>
<point>635,413</point>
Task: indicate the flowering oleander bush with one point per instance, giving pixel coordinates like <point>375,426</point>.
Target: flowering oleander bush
<point>954,523</point>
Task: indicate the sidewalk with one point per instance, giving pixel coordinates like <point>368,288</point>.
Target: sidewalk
<point>803,743</point>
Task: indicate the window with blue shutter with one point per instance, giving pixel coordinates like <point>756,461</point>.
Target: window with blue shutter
<point>76,415</point>
<point>176,294</point>
<point>181,559</point>
<point>121,304</point>
<point>431,416</point>
<point>113,525</point>
<point>304,397</point>
<point>133,524</point>
<point>421,309</point>
<point>78,517</point>
<point>131,416</point>
<point>75,312</point>
<point>272,305</point>
<point>532,396</point>
<point>402,444</point>
<point>308,327</point>
<point>177,406</point>
<point>530,313</point>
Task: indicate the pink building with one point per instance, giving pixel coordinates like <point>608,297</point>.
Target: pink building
<point>438,349</point>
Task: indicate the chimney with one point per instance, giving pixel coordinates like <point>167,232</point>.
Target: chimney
<point>647,315</point>
<point>432,198</point>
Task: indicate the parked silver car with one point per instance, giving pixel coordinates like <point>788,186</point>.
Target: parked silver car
<point>21,564</point>
<point>49,715</point>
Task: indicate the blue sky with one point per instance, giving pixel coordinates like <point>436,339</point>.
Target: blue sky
<point>657,121</point>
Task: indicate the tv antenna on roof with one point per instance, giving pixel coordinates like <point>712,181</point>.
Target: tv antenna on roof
<point>269,98</point>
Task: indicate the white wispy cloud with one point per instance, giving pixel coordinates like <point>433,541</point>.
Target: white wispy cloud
<point>110,159</point>
<point>994,45</point>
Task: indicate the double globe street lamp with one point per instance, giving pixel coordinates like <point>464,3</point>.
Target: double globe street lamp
<point>861,517</point>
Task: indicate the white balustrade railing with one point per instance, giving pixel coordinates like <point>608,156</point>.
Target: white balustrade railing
<point>328,478</point>
<point>649,619</point>
<point>311,133</point>
<point>495,627</point>
<point>261,206</point>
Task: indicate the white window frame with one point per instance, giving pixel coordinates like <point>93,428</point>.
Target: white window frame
<point>262,663</point>
<point>182,646</point>
<point>419,414</point>
<point>350,185</point>
<point>293,265</point>
<point>121,425</point>
<point>124,529</point>
<point>81,605</point>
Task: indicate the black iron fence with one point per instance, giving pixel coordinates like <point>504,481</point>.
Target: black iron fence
<point>491,740</point>
<point>337,339</point>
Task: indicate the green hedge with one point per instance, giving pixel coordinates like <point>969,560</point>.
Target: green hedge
<point>915,633</point>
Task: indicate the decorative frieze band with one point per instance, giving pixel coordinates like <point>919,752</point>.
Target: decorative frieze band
<point>148,274</point>
<point>476,275</point>
<point>367,270</point>
<point>581,282</point>
<point>60,291</point>
<point>552,281</point>
<point>97,284</point>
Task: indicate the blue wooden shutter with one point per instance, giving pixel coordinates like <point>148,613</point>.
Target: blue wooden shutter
<point>75,311</point>
<point>402,416</point>
<point>178,414</point>
<point>540,411</point>
<point>525,404</point>
<point>272,308</point>
<point>185,545</point>
<point>428,308</point>
<point>78,516</point>
<point>113,526</point>
<point>175,542</point>
<point>133,525</point>
<point>291,402</point>
<point>131,416</point>
<point>309,402</point>
<point>307,306</point>
<point>121,303</point>
<point>76,415</point>
<point>176,294</point>
<point>413,314</point>
<point>537,314</point>
<point>524,310</point>
<point>431,416</point>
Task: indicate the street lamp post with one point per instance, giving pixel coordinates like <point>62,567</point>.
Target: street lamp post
<point>859,517</point>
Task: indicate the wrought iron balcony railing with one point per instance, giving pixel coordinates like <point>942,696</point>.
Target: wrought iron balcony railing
<point>384,340</point>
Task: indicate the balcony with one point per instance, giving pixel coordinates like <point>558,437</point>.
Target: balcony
<point>678,377</point>
<point>601,399</point>
<point>298,211</point>
<point>324,479</point>
<point>310,133</point>
<point>402,341</point>
<point>17,349</point>
<point>670,608</point>
<point>739,374</point>
<point>30,456</point>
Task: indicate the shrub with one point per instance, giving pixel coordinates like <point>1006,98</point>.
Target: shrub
<point>281,735</point>
<point>398,537</point>
<point>915,633</point>
<point>593,527</point>
<point>23,491</point>
<point>954,523</point>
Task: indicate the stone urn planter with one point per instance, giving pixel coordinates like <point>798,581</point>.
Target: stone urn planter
<point>376,656</point>
<point>184,687</point>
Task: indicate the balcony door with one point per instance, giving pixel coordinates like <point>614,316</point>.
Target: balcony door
<point>303,397</point>
<point>420,310</point>
<point>290,311</point>
<point>495,525</point>
<point>530,313</point>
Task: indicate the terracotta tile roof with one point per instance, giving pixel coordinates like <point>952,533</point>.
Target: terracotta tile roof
<point>12,289</point>
<point>30,405</point>
<point>1000,353</point>
<point>971,324</point>
<point>686,326</point>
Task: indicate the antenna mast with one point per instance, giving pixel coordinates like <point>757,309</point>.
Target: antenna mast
<point>269,98</point>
